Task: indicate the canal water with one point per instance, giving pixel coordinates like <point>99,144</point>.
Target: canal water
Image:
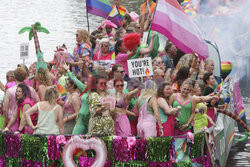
<point>62,18</point>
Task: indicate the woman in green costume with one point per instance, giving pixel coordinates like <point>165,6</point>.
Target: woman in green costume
<point>82,122</point>
<point>187,104</point>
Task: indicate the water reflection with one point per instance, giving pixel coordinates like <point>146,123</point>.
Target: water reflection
<point>61,18</point>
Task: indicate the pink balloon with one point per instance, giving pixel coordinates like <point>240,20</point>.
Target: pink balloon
<point>93,143</point>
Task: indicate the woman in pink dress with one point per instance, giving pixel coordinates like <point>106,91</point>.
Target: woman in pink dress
<point>148,112</point>
<point>71,107</point>
<point>122,124</point>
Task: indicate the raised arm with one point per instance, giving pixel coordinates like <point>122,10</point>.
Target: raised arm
<point>199,99</point>
<point>130,95</point>
<point>144,51</point>
<point>78,83</point>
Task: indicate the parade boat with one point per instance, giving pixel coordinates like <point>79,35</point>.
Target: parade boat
<point>209,147</point>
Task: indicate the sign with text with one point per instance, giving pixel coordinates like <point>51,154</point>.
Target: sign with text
<point>24,51</point>
<point>140,67</point>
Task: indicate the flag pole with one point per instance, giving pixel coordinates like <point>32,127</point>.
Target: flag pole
<point>87,18</point>
<point>152,19</point>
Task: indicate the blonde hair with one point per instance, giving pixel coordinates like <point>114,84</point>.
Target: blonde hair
<point>149,89</point>
<point>168,75</point>
<point>185,60</point>
<point>154,60</point>
<point>43,77</point>
<point>85,36</point>
<point>51,94</point>
<point>207,61</point>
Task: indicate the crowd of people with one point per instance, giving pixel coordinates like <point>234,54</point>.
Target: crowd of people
<point>67,96</point>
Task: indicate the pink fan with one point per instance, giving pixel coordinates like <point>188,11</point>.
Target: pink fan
<point>109,100</point>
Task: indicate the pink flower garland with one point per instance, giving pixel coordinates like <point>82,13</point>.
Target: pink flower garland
<point>129,149</point>
<point>13,146</point>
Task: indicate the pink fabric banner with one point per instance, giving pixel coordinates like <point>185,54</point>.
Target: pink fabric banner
<point>171,21</point>
<point>239,108</point>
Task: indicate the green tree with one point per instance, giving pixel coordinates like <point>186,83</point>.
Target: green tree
<point>33,33</point>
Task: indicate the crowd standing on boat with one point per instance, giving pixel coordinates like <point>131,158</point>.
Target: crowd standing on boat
<point>67,94</point>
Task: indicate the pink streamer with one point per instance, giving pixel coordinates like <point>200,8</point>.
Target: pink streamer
<point>123,153</point>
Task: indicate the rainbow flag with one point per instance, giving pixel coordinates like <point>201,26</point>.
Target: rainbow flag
<point>189,8</point>
<point>114,12</point>
<point>101,8</point>
<point>61,90</point>
<point>229,144</point>
<point>171,21</point>
<point>118,13</point>
<point>177,67</point>
<point>219,87</point>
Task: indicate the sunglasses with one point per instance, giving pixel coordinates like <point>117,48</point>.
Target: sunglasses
<point>102,83</point>
<point>159,62</point>
<point>120,72</point>
<point>105,46</point>
<point>119,86</point>
<point>138,27</point>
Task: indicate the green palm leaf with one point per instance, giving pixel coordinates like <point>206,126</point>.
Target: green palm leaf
<point>42,29</point>
<point>37,25</point>
<point>25,29</point>
<point>30,35</point>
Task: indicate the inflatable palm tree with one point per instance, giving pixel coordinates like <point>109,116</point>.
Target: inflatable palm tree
<point>33,33</point>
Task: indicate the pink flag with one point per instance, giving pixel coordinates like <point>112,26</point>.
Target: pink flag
<point>171,21</point>
<point>239,108</point>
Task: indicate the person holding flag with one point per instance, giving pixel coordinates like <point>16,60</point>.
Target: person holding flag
<point>118,11</point>
<point>148,7</point>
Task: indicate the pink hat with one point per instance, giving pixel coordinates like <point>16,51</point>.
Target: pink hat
<point>134,16</point>
<point>109,24</point>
